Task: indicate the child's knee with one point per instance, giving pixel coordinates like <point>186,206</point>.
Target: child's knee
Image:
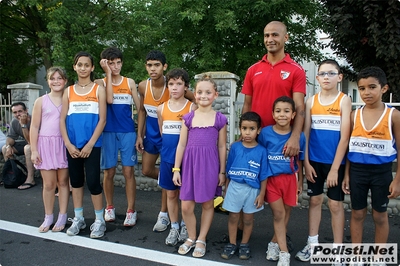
<point>172,194</point>
<point>380,218</point>
<point>316,201</point>
<point>358,215</point>
<point>335,206</point>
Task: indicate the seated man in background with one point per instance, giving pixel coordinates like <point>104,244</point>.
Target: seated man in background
<point>19,128</point>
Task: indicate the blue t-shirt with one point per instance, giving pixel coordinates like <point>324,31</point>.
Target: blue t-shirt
<point>247,165</point>
<point>274,143</point>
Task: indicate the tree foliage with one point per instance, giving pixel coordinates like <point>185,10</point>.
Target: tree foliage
<point>367,33</point>
<point>201,35</point>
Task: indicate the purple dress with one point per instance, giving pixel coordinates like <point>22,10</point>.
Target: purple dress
<point>50,143</point>
<point>200,164</point>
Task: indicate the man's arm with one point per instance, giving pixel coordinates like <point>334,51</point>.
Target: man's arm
<point>24,123</point>
<point>293,144</point>
<point>247,104</point>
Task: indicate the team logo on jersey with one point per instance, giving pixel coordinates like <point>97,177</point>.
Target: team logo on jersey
<point>284,74</point>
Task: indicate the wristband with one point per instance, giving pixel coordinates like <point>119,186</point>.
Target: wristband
<point>176,169</point>
<point>223,173</point>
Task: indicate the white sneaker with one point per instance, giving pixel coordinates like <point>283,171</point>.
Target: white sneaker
<point>77,225</point>
<point>305,253</point>
<point>183,235</point>
<point>284,259</point>
<point>109,215</point>
<point>172,238</point>
<point>161,224</point>
<point>98,228</point>
<point>273,251</point>
<point>130,219</point>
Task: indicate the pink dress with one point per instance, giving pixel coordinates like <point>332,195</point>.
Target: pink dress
<point>51,147</point>
<point>200,164</point>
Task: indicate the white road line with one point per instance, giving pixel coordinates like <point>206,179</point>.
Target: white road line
<point>104,246</point>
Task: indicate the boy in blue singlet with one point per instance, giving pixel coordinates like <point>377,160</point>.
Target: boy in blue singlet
<point>170,121</point>
<point>153,92</point>
<point>119,133</point>
<point>369,166</point>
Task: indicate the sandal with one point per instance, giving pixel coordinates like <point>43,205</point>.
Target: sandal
<point>199,252</point>
<point>48,220</point>
<point>60,224</point>
<point>244,251</point>
<point>185,248</point>
<point>229,251</point>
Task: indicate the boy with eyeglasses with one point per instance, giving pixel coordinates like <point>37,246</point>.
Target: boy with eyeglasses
<point>327,130</point>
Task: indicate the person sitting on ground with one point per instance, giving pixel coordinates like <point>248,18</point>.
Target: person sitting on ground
<point>19,128</point>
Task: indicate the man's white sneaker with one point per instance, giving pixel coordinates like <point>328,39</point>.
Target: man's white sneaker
<point>109,215</point>
<point>273,251</point>
<point>98,228</point>
<point>130,219</point>
<point>183,235</point>
<point>77,225</point>
<point>284,259</point>
<point>172,238</point>
<point>161,224</point>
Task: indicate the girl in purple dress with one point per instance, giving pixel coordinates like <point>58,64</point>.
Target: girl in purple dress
<point>48,150</point>
<point>202,153</point>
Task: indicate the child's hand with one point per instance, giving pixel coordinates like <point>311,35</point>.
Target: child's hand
<point>346,185</point>
<point>139,145</point>
<point>332,179</point>
<point>35,158</point>
<point>73,151</point>
<point>259,202</point>
<point>104,66</point>
<point>394,189</point>
<point>85,152</point>
<point>221,179</point>
<point>299,187</point>
<point>310,172</point>
<point>177,179</point>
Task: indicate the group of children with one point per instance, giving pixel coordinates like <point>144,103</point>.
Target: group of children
<point>91,121</point>
<point>350,151</point>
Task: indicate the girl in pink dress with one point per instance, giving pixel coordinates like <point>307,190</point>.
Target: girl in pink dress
<point>202,153</point>
<point>48,150</point>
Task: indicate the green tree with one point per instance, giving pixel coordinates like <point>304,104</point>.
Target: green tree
<point>208,35</point>
<point>201,35</point>
<point>367,33</point>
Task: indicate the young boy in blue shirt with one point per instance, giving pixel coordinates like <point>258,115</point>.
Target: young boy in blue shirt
<point>246,173</point>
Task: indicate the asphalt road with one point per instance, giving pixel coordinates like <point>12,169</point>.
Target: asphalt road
<point>21,213</point>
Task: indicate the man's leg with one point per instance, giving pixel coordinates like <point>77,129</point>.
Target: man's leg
<point>30,179</point>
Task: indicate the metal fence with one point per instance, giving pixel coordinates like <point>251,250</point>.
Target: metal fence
<point>5,112</point>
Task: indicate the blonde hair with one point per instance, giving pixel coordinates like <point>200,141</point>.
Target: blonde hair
<point>207,77</point>
<point>60,70</point>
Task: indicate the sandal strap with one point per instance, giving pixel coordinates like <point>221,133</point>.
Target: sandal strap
<point>201,242</point>
<point>190,240</point>
<point>61,220</point>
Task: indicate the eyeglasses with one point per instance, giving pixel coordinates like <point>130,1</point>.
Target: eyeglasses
<point>330,74</point>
